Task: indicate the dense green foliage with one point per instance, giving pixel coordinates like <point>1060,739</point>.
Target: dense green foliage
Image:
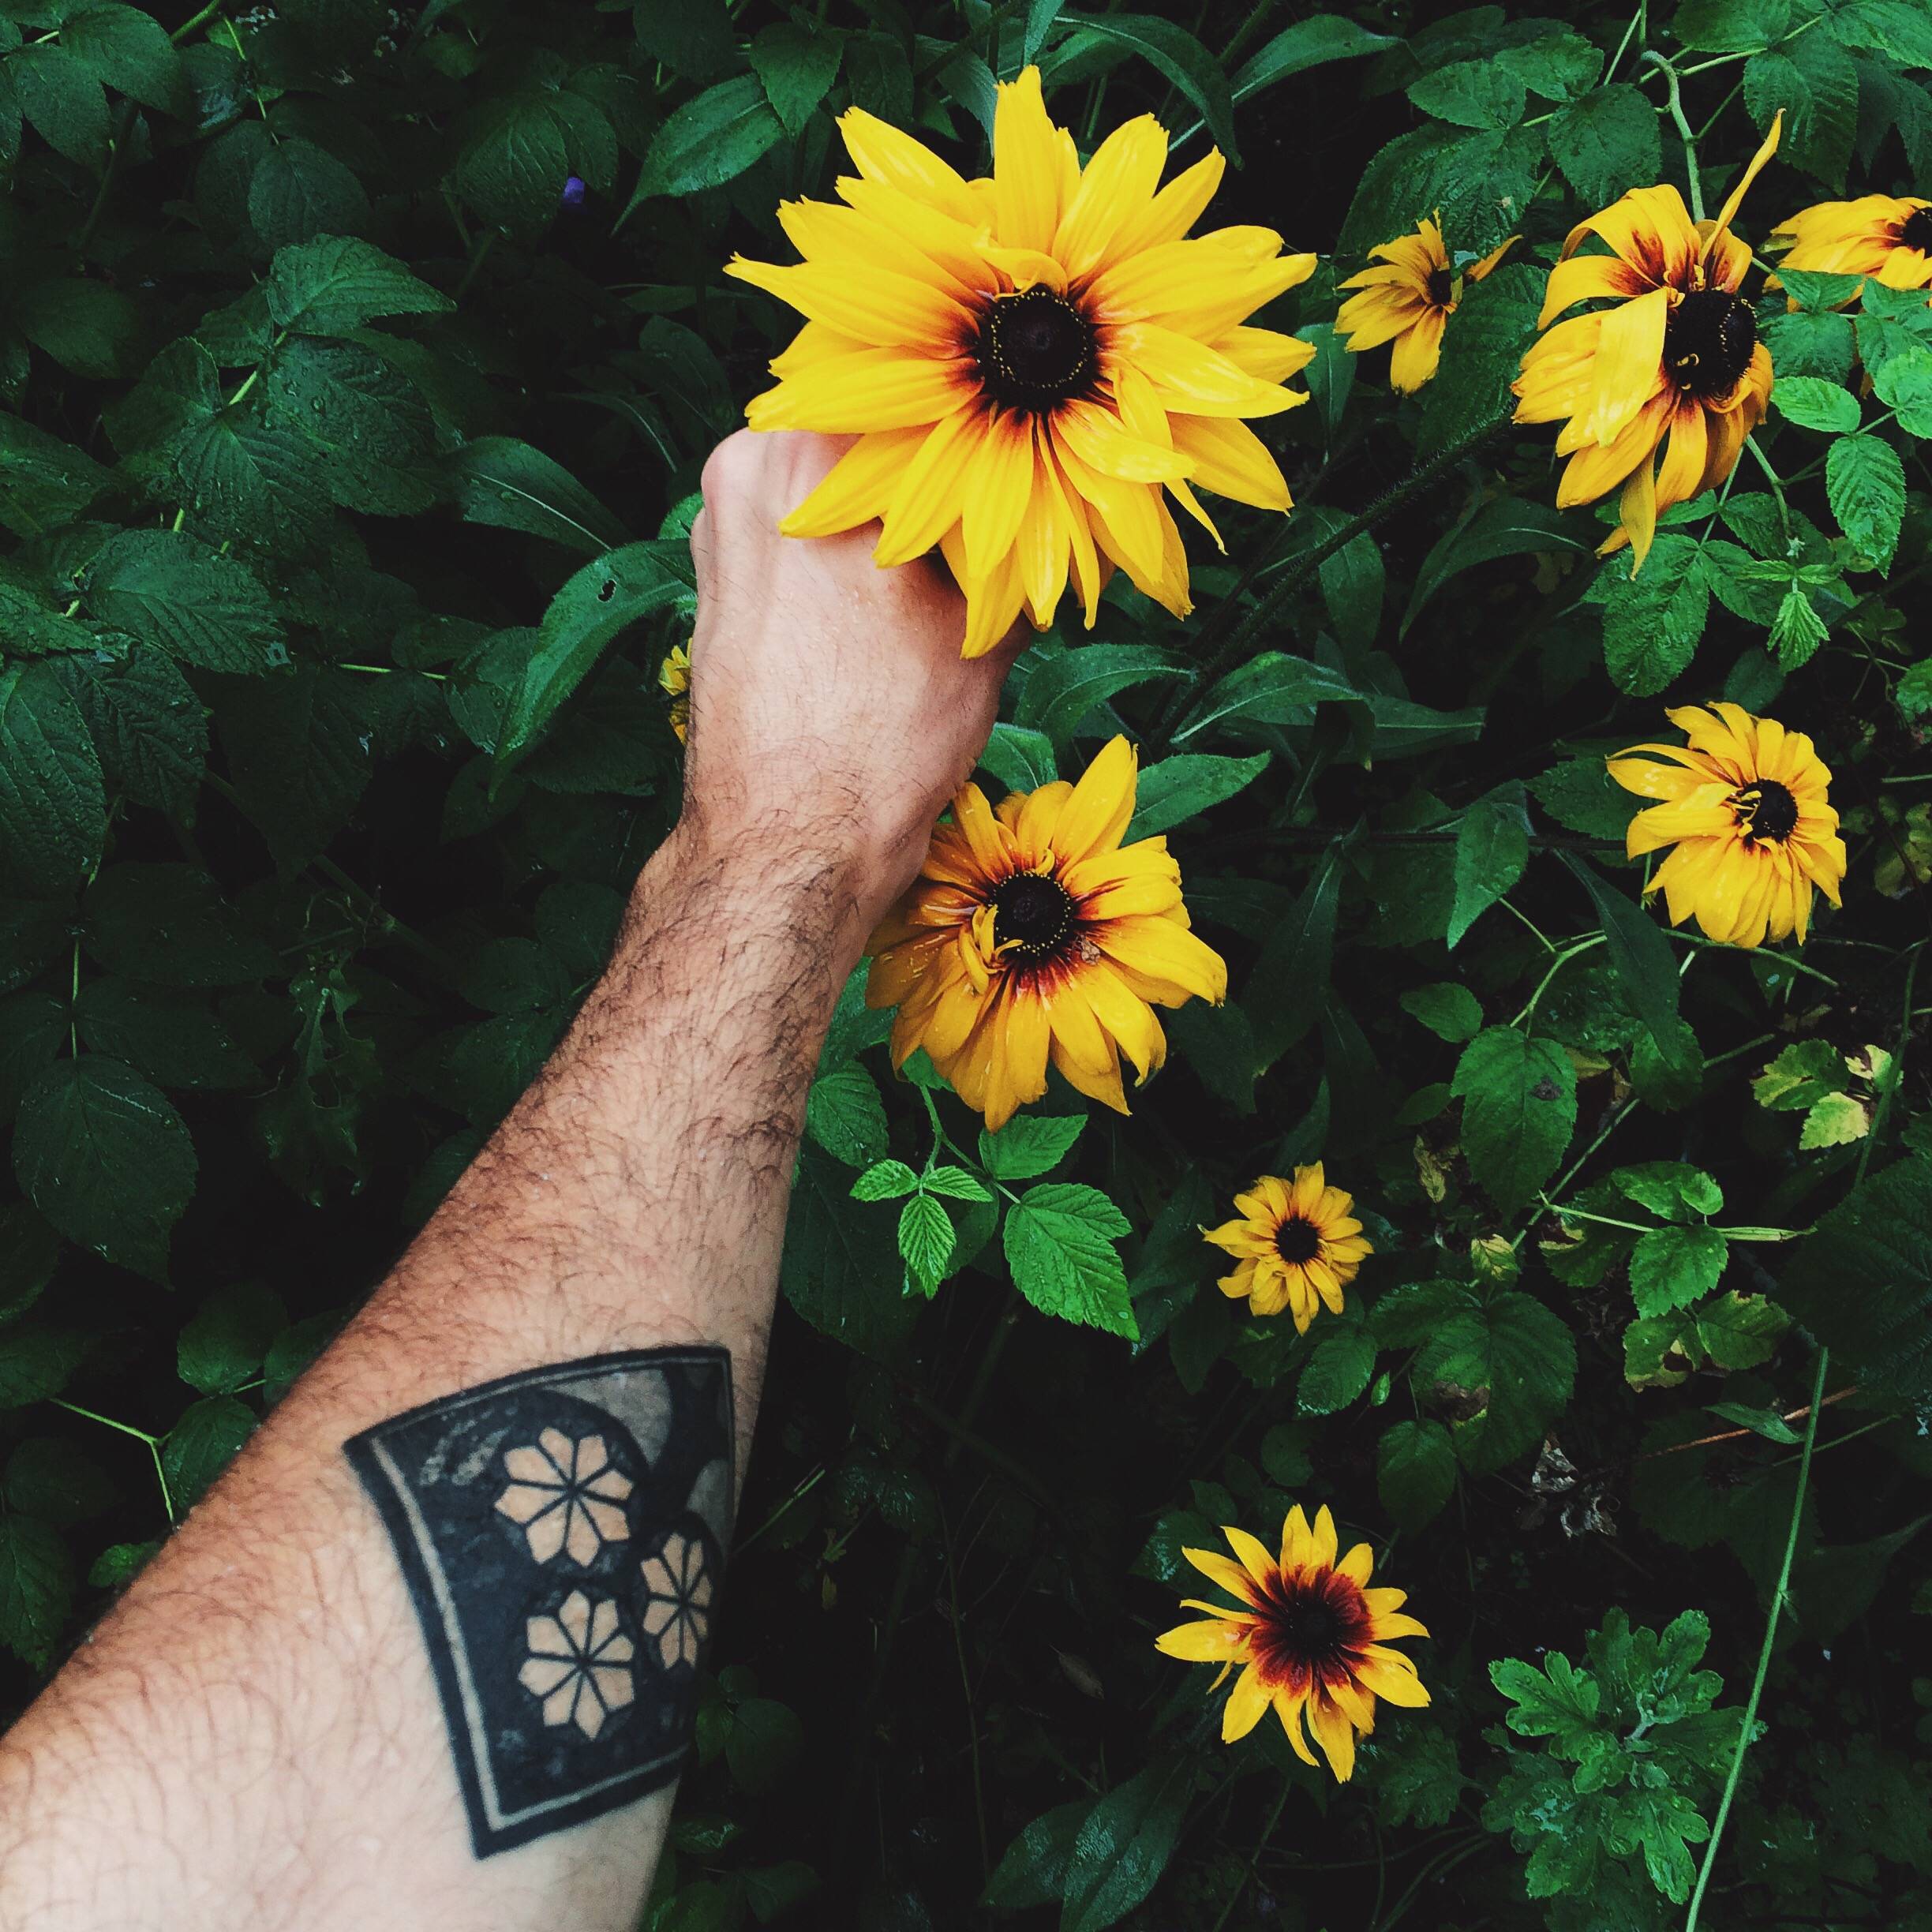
<point>356,370</point>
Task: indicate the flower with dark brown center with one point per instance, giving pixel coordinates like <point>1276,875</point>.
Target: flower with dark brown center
<point>1708,341</point>
<point>1296,1244</point>
<point>1035,351</point>
<point>1032,913</point>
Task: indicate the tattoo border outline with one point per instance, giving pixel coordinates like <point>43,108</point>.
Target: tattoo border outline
<point>492,1828</point>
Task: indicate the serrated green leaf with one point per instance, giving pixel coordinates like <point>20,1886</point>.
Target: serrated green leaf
<point>885,1180</point>
<point>1415,1471</point>
<point>1451,1012</point>
<point>1519,1108</point>
<point>926,1240</point>
<point>1865,484</point>
<point>844,1114</point>
<point>1059,1240</point>
<point>1671,1268</point>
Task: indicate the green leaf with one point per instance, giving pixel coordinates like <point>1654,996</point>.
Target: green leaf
<point>1491,848</point>
<point>1288,987</point>
<point>300,191</point>
<point>1310,42</point>
<point>1483,346</point>
<point>57,1482</point>
<point>1815,84</point>
<point>224,1346</point>
<point>1673,1189</point>
<point>53,804</point>
<point>85,327</point>
<point>1865,484</point>
<point>955,1183</point>
<point>841,1268</point>
<point>1519,1108</point>
<point>1472,94</point>
<point>1816,404</point>
<point>43,481</point>
<point>148,726</point>
<point>1731,26</point>
<point>36,1362</point>
<point>336,283</point>
<point>1905,384</point>
<point>1272,688</point>
<point>1181,60</point>
<point>62,103</point>
<point>1124,1846</point>
<point>1505,527</point>
<point>171,591</point>
<point>101,1153</point>
<point>796,66</point>
<point>1061,692</point>
<point>1022,759</point>
<point>844,1114</point>
<point>1515,1356</point>
<point>202,1444</point>
<point>1179,788</point>
<point>36,1587</point>
<point>1607,142</point>
<point>172,1037</point>
<point>1415,1472</point>
<point>1559,66</point>
<point>710,140</point>
<point>502,481</point>
<point>764,1743</point>
<point>1653,621</point>
<point>367,428</point>
<point>1765,1422</point>
<point>1640,955</point>
<point>170,926</point>
<point>300,749</point>
<point>1897,28</point>
<point>926,1240</point>
<point>1881,1238</point>
<point>584,619</point>
<point>1580,794</point>
<point>1032,1870</point>
<point>693,40</point>
<point>1451,1012</point>
<point>1029,1145</point>
<point>885,1180</point>
<point>1338,1370</point>
<point>131,52</point>
<point>1671,1268</point>
<point>1797,631</point>
<point>1059,1240</point>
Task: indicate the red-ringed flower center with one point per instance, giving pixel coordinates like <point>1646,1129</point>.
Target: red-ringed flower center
<point>1305,1625</point>
<point>1915,231</point>
<point>1766,812</point>
<point>1033,913</point>
<point>1708,340</point>
<point>1297,1241</point>
<point>1035,351</point>
<point>1441,288</point>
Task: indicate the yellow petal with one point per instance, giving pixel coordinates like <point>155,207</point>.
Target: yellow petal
<point>1026,166</point>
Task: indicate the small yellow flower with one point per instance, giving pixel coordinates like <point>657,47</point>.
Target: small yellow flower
<point>1032,364</point>
<point>674,681</point>
<point>1745,805</point>
<point>1297,1246</point>
<point>1311,1636</point>
<point>1031,935</point>
<point>1887,237</point>
<point>1408,300</point>
<point>1674,366</point>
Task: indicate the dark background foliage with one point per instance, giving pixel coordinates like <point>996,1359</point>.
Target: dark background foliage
<point>357,365</point>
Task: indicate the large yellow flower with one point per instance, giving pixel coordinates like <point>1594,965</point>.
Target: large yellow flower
<point>1408,300</point>
<point>1311,1636</point>
<point>1027,361</point>
<point>1031,933</point>
<point>1746,806</point>
<point>1297,1245</point>
<point>1888,237</point>
<point>1676,365</point>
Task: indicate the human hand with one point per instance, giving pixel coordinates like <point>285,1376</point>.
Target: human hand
<point>832,716</point>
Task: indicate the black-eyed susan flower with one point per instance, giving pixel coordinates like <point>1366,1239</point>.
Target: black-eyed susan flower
<point>1296,1243</point>
<point>1745,805</point>
<point>1032,934</point>
<point>1028,361</point>
<point>1311,1637</point>
<point>1408,300</point>
<point>1886,236</point>
<point>674,681</point>
<point>1675,366</point>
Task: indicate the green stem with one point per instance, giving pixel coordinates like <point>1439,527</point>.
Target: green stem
<point>1675,105</point>
<point>1778,486</point>
<point>1778,1598</point>
<point>1229,635</point>
<point>1622,46</point>
<point>127,1428</point>
<point>1556,966</point>
<point>188,26</point>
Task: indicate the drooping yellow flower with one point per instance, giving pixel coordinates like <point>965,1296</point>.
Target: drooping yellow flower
<point>1408,300</point>
<point>674,681</point>
<point>1296,1244</point>
<point>1311,1636</point>
<point>1746,806</point>
<point>1031,935</point>
<point>1028,359</point>
<point>1676,365</point>
<point>1887,237</point>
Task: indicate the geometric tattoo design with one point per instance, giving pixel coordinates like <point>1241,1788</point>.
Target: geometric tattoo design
<point>562,1533</point>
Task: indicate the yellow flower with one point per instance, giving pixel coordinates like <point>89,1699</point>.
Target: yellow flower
<point>1031,933</point>
<point>1745,805</point>
<point>1886,236</point>
<point>674,681</point>
<point>1312,1639</point>
<point>1296,1245</point>
<point>1676,365</point>
<point>1408,300</point>
<point>1027,361</point>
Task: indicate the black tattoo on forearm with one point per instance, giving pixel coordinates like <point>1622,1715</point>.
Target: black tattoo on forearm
<point>563,1532</point>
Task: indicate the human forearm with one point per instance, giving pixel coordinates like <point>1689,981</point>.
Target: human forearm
<point>634,1200</point>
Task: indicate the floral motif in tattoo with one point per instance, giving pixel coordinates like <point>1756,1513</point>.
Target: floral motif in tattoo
<point>677,1606</point>
<point>579,1663</point>
<point>566,1496</point>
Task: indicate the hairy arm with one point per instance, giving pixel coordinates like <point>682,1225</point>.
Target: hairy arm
<point>426,1656</point>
